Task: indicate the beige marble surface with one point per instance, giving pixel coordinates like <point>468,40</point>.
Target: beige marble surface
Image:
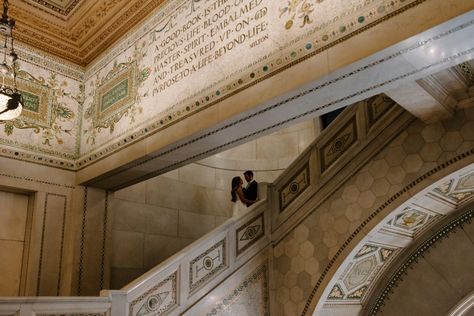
<point>13,214</point>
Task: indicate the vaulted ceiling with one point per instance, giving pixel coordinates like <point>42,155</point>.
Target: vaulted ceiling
<point>77,30</point>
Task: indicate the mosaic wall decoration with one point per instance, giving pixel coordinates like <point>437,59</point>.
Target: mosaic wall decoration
<point>49,123</point>
<point>410,219</point>
<point>116,96</point>
<point>335,147</point>
<point>207,265</point>
<point>413,258</point>
<point>353,283</point>
<point>458,190</point>
<point>377,106</point>
<point>187,40</point>
<point>249,298</point>
<point>249,233</point>
<point>294,187</point>
<point>336,293</point>
<point>359,274</point>
<point>159,300</point>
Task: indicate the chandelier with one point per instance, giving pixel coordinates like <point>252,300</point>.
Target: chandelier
<point>11,101</point>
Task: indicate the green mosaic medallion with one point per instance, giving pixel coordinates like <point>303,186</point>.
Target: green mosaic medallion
<point>31,102</point>
<point>114,95</point>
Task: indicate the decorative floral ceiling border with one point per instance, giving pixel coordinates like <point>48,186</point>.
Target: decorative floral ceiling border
<point>57,6</point>
<point>82,40</point>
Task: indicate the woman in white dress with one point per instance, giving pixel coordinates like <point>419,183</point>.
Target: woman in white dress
<point>238,198</point>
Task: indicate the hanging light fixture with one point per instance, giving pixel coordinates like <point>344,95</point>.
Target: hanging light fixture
<point>11,102</point>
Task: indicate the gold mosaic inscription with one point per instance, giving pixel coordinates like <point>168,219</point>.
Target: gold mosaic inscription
<point>204,37</point>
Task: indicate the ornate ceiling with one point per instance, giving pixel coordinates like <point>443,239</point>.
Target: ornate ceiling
<point>77,30</point>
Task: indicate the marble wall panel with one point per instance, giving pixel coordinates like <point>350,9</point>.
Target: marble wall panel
<point>11,256</point>
<point>94,241</point>
<point>119,277</point>
<point>158,248</point>
<point>127,249</point>
<point>144,218</point>
<point>13,216</point>
<point>198,175</point>
<point>52,245</point>
<point>166,192</point>
<point>134,193</point>
<point>192,225</point>
<point>13,221</point>
<point>207,201</point>
<point>282,145</point>
<point>244,151</point>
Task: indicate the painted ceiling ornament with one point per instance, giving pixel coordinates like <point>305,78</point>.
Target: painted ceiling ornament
<point>116,95</point>
<point>298,10</point>
<point>45,109</point>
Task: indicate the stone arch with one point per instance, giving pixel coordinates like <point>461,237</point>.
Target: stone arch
<point>360,271</point>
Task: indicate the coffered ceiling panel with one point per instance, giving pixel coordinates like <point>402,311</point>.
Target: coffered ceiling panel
<point>77,30</point>
<point>61,7</point>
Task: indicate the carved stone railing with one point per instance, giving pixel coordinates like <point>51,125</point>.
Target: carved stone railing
<point>182,280</point>
<point>174,285</point>
<point>55,306</point>
<point>358,133</point>
<point>178,283</point>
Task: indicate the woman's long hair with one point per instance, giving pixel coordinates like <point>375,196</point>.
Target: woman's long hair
<point>235,185</point>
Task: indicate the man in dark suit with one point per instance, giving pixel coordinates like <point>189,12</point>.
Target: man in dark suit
<point>251,190</point>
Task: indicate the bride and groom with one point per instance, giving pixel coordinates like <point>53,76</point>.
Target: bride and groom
<point>243,197</point>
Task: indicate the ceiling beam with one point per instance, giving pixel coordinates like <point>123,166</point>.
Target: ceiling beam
<point>426,99</point>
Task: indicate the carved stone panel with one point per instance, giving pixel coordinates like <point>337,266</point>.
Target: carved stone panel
<point>341,141</point>
<point>377,106</point>
<point>250,233</point>
<point>294,187</point>
<point>207,265</point>
<point>158,300</point>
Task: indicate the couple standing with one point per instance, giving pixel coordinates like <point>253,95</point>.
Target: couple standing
<point>243,197</point>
